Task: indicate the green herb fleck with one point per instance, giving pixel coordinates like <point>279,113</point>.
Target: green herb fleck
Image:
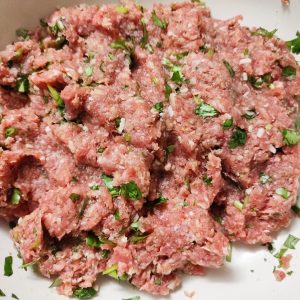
<point>23,84</point>
<point>238,204</point>
<point>264,178</point>
<point>11,131</point>
<point>227,123</point>
<point>8,262</point>
<point>207,180</point>
<point>2,293</point>
<point>229,68</point>
<point>133,298</point>
<point>131,191</point>
<point>112,271</point>
<point>290,137</point>
<point>288,71</point>
<point>170,149</point>
<point>105,253</point>
<point>84,293</point>
<point>74,197</point>
<point>88,70</point>
<point>229,255</point>
<point>238,138</point>
<point>181,55</point>
<point>14,296</point>
<point>15,196</point>
<point>264,32</point>
<point>56,282</point>
<point>122,9</point>
<point>175,69</point>
<point>205,110</point>
<point>135,239</point>
<point>283,192</point>
<point>158,22</point>
<point>95,187</point>
<point>117,216</point>
<point>56,97</point>
<point>158,107</point>
<point>250,114</point>
<point>296,210</point>
<point>294,45</point>
<point>291,242</point>
<point>23,33</point>
<point>168,91</point>
<point>107,180</point>
<point>145,38</point>
<point>92,241</point>
<point>83,207</point>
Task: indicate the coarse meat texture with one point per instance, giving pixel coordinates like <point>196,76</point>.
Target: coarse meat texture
<point>139,143</point>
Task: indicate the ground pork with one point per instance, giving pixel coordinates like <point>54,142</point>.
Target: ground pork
<point>139,143</point>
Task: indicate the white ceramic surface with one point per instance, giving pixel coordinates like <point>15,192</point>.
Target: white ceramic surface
<point>235,280</point>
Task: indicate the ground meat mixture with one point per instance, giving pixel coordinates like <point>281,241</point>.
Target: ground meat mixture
<point>139,143</point>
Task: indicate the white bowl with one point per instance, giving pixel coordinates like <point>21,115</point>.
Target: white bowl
<point>234,281</point>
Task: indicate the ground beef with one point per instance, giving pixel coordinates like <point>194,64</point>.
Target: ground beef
<point>139,143</point>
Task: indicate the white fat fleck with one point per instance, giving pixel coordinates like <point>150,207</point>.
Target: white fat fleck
<point>76,255</point>
<point>250,128</point>
<point>172,285</point>
<point>71,146</point>
<point>184,90</point>
<point>244,76</point>
<point>278,84</point>
<point>272,149</point>
<point>47,129</point>
<point>84,128</point>
<point>29,146</point>
<point>246,94</point>
<point>121,126</point>
<point>248,191</point>
<point>170,111</point>
<point>260,132</point>
<point>245,61</point>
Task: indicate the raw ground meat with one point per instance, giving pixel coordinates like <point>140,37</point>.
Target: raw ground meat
<point>138,143</point>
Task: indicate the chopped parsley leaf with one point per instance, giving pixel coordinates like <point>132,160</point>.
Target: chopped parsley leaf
<point>133,298</point>
<point>158,22</point>
<point>297,123</point>
<point>294,45</point>
<point>289,273</point>
<point>264,32</point>
<point>94,187</point>
<point>270,247</point>
<point>56,282</point>
<point>107,180</point>
<point>105,253</point>
<point>280,253</point>
<point>23,84</point>
<point>83,207</point>
<point>138,238</point>
<point>14,296</point>
<point>283,192</point>
<point>290,137</point>
<point>227,123</point>
<point>238,138</point>
<point>93,241</point>
<point>56,97</point>
<point>2,294</point>
<point>207,180</point>
<point>10,131</point>
<point>112,271</point>
<point>8,271</point>
<point>264,178</point>
<point>122,10</point>
<point>74,197</point>
<point>168,91</point>
<point>175,69</point>
<point>43,23</point>
<point>145,38</point>
<point>160,200</point>
<point>120,44</point>
<point>296,210</point>
<point>229,68</point>
<point>15,196</point>
<point>229,255</point>
<point>291,242</point>
<point>100,150</point>
<point>250,114</point>
<point>135,226</point>
<point>205,110</point>
<point>238,204</point>
<point>117,215</point>
<point>23,33</point>
<point>170,149</point>
<point>158,107</point>
<point>255,82</point>
<point>131,191</point>
<point>88,70</point>
<point>30,264</point>
<point>84,293</point>
<point>57,27</point>
<point>181,55</point>
<point>288,71</point>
